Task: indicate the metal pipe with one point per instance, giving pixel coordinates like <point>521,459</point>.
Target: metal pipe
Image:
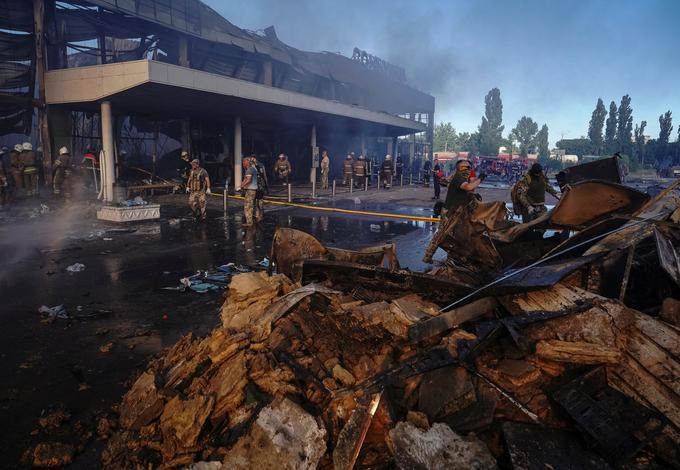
<point>351,185</point>
<point>401,177</point>
<point>333,188</point>
<point>410,179</point>
<point>225,198</point>
<point>290,192</point>
<point>314,189</point>
<point>365,183</point>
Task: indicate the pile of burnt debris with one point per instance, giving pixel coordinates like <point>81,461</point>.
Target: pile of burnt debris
<point>524,351</point>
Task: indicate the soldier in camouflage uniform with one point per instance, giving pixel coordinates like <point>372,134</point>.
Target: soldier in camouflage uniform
<point>198,186</point>
<point>528,194</point>
<point>252,207</point>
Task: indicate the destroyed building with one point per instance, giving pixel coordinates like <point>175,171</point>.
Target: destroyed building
<point>566,356</point>
<point>121,74</point>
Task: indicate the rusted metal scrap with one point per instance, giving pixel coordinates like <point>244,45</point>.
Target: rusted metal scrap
<point>290,248</point>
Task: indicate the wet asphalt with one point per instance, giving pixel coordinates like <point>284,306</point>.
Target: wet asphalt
<point>120,298</point>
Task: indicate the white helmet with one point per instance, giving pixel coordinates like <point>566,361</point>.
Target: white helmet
<point>388,157</point>
<point>18,148</point>
<point>64,151</point>
<point>27,146</point>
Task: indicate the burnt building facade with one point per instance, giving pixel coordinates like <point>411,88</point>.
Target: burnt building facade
<point>151,76</point>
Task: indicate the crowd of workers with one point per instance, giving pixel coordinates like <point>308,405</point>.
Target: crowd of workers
<point>528,193</point>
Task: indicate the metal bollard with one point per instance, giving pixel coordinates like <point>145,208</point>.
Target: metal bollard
<point>351,185</point>
<point>391,181</point>
<point>290,193</point>
<point>365,183</point>
<point>419,177</point>
<point>226,190</point>
<point>410,179</point>
<point>313,189</point>
<point>401,177</point>
<point>333,188</point>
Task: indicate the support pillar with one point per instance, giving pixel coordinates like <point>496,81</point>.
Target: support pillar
<point>390,148</point>
<point>40,69</point>
<point>107,147</point>
<point>238,156</point>
<point>315,163</point>
<point>363,144</point>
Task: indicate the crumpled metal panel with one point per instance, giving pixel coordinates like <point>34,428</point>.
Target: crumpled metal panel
<point>587,202</point>
<point>606,169</point>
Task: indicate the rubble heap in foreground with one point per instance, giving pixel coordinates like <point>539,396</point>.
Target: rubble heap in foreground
<point>534,373</point>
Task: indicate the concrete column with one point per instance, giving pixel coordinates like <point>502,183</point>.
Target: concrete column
<point>312,173</point>
<point>390,148</point>
<point>238,156</point>
<point>107,146</point>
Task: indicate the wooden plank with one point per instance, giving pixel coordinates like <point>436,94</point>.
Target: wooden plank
<point>649,387</point>
<point>577,352</point>
<point>451,319</point>
<point>664,367</point>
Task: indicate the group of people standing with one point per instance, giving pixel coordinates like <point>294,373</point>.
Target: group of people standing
<point>357,171</point>
<point>22,178</point>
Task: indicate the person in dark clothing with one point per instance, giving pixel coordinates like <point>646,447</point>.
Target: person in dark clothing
<point>427,170</point>
<point>437,173</point>
<point>461,188</point>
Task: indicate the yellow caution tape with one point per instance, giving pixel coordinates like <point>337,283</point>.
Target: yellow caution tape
<point>342,211</point>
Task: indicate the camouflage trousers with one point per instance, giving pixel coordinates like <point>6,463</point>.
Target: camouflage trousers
<point>197,202</point>
<point>538,210</point>
<point>252,207</point>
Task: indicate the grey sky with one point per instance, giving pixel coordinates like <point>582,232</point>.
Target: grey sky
<point>551,59</point>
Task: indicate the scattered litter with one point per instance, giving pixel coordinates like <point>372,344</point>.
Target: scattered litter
<point>76,268</point>
<point>174,222</point>
<point>106,347</point>
<point>138,201</point>
<point>375,228</point>
<point>264,263</point>
<point>54,312</point>
<point>107,239</point>
<point>357,201</point>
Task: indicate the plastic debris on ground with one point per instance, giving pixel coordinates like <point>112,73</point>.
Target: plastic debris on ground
<point>76,268</point>
<point>138,201</point>
<point>58,311</point>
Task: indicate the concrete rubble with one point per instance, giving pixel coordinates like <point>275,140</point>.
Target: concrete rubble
<point>357,365</point>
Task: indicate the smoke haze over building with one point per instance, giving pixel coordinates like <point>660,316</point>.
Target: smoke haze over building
<point>551,60</point>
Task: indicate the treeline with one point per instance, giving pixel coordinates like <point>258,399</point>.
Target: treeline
<point>611,131</point>
<point>489,136</point>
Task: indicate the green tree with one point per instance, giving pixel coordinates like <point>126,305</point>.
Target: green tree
<point>525,134</point>
<point>596,126</point>
<point>542,142</point>
<point>445,137</point>
<point>578,147</point>
<point>610,130</point>
<point>624,129</point>
<point>665,129</point>
<point>491,129</point>
<point>639,135</point>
